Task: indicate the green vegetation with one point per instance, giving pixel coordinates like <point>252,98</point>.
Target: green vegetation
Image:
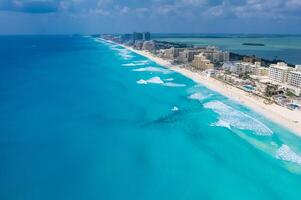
<point>289,94</point>
<point>271,90</point>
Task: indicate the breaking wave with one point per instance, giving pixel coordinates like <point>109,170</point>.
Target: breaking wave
<point>199,96</point>
<point>170,84</point>
<point>168,79</point>
<point>153,69</point>
<point>158,80</point>
<point>154,80</point>
<point>174,109</point>
<point>125,54</point>
<point>230,117</point>
<point>287,154</point>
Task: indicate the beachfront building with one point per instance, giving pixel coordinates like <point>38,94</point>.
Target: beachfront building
<point>217,56</point>
<point>187,55</point>
<point>200,62</point>
<point>278,72</point>
<point>149,46</point>
<point>138,44</point>
<point>238,68</point>
<point>258,70</point>
<point>294,78</point>
<point>172,53</point>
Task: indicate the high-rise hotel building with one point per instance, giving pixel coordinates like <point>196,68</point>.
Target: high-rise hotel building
<point>279,72</point>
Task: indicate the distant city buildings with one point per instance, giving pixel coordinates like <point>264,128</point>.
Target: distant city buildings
<point>141,36</point>
<point>216,56</point>
<point>146,36</point>
<point>258,76</point>
<point>202,63</point>
<point>187,55</point>
<point>172,53</point>
<point>149,46</point>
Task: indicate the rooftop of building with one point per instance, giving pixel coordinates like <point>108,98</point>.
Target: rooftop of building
<point>280,65</point>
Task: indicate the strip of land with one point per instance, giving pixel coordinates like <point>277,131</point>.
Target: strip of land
<point>290,119</point>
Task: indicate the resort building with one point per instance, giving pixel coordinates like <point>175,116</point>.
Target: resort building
<point>173,53</point>
<point>137,36</point>
<point>294,78</point>
<point>201,62</point>
<point>258,70</point>
<point>278,72</point>
<point>138,44</point>
<point>149,46</point>
<point>239,68</point>
<point>146,36</point>
<point>216,56</point>
<point>141,36</point>
<point>187,55</point>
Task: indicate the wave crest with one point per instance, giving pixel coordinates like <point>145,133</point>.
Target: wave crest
<point>287,154</point>
<point>230,117</point>
<point>152,69</point>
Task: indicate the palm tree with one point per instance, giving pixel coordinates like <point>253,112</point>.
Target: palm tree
<point>271,90</point>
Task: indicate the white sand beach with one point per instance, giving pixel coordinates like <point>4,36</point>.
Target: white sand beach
<point>278,114</point>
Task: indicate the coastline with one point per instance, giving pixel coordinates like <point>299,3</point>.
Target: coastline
<point>278,114</point>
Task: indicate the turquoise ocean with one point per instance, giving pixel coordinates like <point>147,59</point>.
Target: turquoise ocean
<point>85,119</point>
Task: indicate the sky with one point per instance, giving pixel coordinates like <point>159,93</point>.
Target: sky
<point>160,16</point>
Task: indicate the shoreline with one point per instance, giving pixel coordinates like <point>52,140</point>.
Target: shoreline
<point>282,116</point>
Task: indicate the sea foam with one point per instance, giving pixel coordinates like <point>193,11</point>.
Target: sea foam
<point>170,84</point>
<point>153,69</point>
<point>230,117</point>
<point>174,109</point>
<point>132,64</point>
<point>168,79</point>
<point>199,96</point>
<point>287,154</point>
<point>159,81</point>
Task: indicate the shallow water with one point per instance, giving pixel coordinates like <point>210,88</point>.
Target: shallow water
<point>76,124</point>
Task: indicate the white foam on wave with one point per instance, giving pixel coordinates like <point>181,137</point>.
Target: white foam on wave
<point>129,65</point>
<point>142,82</point>
<point>198,96</point>
<point>142,62</point>
<point>222,123</point>
<point>155,80</point>
<point>287,154</point>
<point>170,84</point>
<point>174,109</point>
<point>159,81</point>
<point>168,79</point>
<point>132,64</point>
<point>230,117</point>
<point>99,40</point>
<point>125,54</point>
<point>152,69</point>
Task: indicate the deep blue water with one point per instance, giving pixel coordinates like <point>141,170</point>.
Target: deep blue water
<point>76,124</point>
